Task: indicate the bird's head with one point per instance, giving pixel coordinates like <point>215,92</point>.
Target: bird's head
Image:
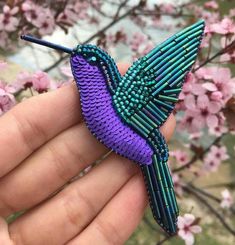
<point>88,55</point>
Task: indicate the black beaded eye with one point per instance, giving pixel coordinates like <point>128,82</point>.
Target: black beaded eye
<point>92,59</point>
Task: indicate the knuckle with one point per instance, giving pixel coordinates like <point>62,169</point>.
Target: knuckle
<point>108,231</point>
<point>60,163</point>
<point>65,167</point>
<point>28,129</point>
<point>78,208</point>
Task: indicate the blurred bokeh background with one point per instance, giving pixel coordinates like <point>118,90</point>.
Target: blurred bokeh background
<point>203,148</point>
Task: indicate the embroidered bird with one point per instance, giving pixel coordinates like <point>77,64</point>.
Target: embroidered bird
<point>126,112</point>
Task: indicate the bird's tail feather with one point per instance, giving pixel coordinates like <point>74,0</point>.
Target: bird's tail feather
<point>161,194</point>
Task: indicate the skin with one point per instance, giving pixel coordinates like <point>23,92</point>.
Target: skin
<point>41,150</point>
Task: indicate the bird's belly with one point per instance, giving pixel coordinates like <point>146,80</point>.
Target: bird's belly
<point>105,124</point>
<point>103,121</point>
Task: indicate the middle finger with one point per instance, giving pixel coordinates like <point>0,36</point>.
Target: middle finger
<point>48,168</point>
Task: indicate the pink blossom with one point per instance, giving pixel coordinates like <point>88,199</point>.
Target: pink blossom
<point>191,87</point>
<point>227,200</point>
<point>8,22</point>
<point>211,5</point>
<point>7,99</point>
<point>80,9</point>
<point>226,26</point>
<point>136,40</point>
<point>187,225</point>
<point>228,57</point>
<point>211,163</point>
<point>68,16</point>
<point>216,96</point>
<point>167,8</point>
<point>195,136</point>
<point>178,186</point>
<point>188,122</point>
<point>219,153</point>
<point>220,80</point>
<point>45,24</point>
<point>204,110</point>
<point>180,156</point>
<point>24,80</point>
<point>41,82</point>
<point>32,12</point>
<point>218,130</point>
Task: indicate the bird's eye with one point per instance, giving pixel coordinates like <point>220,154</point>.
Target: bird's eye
<point>92,59</point>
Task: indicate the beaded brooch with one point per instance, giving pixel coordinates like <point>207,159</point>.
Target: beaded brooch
<point>125,113</point>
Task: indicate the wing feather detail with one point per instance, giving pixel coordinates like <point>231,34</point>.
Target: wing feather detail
<point>151,86</point>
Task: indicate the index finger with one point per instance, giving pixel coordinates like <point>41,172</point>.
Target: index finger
<point>33,122</point>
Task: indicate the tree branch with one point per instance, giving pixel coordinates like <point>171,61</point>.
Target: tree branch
<point>211,208</point>
<point>196,157</point>
<point>222,51</point>
<point>112,23</point>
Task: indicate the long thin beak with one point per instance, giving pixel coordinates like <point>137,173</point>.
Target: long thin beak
<point>46,43</point>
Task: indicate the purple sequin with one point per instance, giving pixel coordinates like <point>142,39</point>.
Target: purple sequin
<point>100,116</point>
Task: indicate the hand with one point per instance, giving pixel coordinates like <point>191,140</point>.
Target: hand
<point>43,144</point>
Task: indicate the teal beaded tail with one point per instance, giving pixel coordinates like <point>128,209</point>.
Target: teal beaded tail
<point>160,187</point>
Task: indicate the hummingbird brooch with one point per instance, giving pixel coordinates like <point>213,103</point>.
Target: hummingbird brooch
<point>126,112</point>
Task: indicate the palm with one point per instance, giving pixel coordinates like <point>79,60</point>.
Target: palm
<point>44,143</point>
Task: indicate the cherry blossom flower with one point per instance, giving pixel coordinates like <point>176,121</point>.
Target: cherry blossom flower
<point>204,110</point>
<point>7,99</point>
<point>219,152</point>
<point>227,200</point>
<point>188,122</point>
<point>221,81</point>
<point>167,8</point>
<point>68,16</point>
<point>41,82</point>
<point>32,12</point>
<point>8,22</point>
<point>180,156</point>
<point>178,186</point>
<point>195,136</point>
<point>211,5</point>
<point>211,163</point>
<point>24,80</point>
<point>228,57</point>
<point>188,226</point>
<point>218,130</point>
<point>226,26</point>
<point>136,40</point>
<point>46,24</point>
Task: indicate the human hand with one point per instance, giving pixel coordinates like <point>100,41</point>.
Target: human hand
<point>43,144</point>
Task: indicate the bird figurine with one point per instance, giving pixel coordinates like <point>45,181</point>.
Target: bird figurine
<point>126,112</point>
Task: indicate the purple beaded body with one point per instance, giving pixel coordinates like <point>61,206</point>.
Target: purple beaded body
<point>101,117</point>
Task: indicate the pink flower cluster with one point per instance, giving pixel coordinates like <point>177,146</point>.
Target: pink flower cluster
<point>227,200</point>
<point>38,82</point>
<point>140,44</point>
<point>204,96</point>
<point>41,19</point>
<point>215,156</point>
<point>188,226</point>
<point>7,99</point>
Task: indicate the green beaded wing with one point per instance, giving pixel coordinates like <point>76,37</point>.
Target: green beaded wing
<point>150,88</point>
